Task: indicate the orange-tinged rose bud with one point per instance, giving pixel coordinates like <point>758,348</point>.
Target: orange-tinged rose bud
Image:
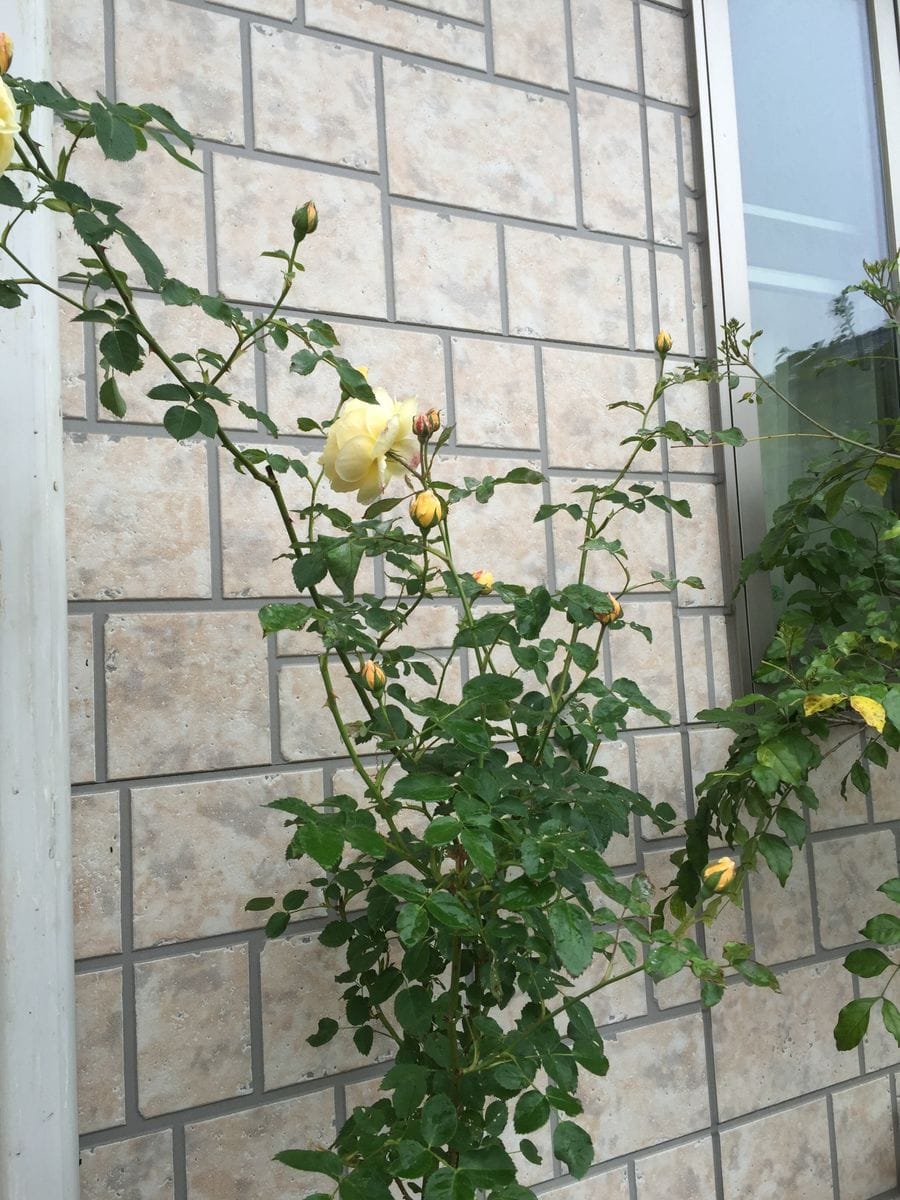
<point>616,612</point>
<point>373,676</point>
<point>427,423</point>
<point>663,343</point>
<point>426,509</point>
<point>6,52</point>
<point>485,578</point>
<point>720,873</point>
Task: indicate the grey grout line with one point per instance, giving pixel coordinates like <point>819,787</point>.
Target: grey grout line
<point>247,82</point>
<point>384,178</point>
<point>832,1148</point>
<point>629,301</point>
<point>214,500</point>
<point>129,1005</point>
<point>109,48</point>
<point>502,280</point>
<point>713,1099</point>
<point>895,1116</point>
<point>273,665</point>
<point>632,1181</point>
<point>179,1163</point>
<point>549,547</point>
<point>573,114</point>
<point>209,208</point>
<point>711,694</point>
<point>98,639</point>
<point>257,1042</point>
<point>488,38</point>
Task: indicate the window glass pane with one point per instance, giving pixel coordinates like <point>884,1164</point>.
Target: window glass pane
<point>813,210</point>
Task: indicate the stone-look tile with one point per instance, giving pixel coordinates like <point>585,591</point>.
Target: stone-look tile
<point>185,331</point>
<point>698,545</point>
<point>839,752</point>
<point>307,728</point>
<point>402,30</point>
<point>782,917</point>
<point>469,10</point>
<point>137,1169</point>
<point>615,758</point>
<point>185,692</point>
<point>721,659</point>
<point>81,700</point>
<point>96,881</point>
<point>699,304</point>
<point>198,78</point>
<point>344,264</point>
<point>297,989</point>
<point>664,183</point>
<point>650,664</point>
<point>709,752</point>
<point>405,364</point>
<point>612,164</point>
<point>772,1046</point>
<point>880,1048</point>
<point>645,324</point>
<point>150,188</point>
<point>665,55</point>
<point>99,1048</point>
<point>495,393</point>
<point>549,276</point>
<point>285,10</point>
<point>582,430</point>
<point>446,270</point>
<point>232,1157</point>
<point>431,118</point>
<point>622,1118</point>
<point>158,543</point>
<point>695,676</point>
<point>848,871</point>
<point>670,291</point>
<point>689,137</point>
<point>312,99</point>
<point>76,33</point>
<point>886,790</point>
<point>685,1173</point>
<point>71,361</point>
<point>611,1185</point>
<point>427,627</point>
<point>660,776</point>
<point>864,1133</point>
<point>193,1029</point>
<point>786,1154</point>
<point>689,405</point>
<point>202,850</point>
<point>605,45</point>
<point>619,1001</point>
<point>530,41</point>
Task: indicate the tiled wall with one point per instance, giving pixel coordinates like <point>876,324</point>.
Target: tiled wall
<point>510,207</point>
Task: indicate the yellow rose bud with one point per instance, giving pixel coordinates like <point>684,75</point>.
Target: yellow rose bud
<point>663,343</point>
<point>305,220</point>
<point>6,52</point>
<point>9,126</point>
<point>485,578</point>
<point>425,424</point>
<point>426,510</point>
<point>373,676</point>
<point>720,873</point>
<point>606,617</point>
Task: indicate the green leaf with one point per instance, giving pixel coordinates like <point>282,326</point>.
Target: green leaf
<point>174,393</point>
<point>777,854</point>
<point>145,257</point>
<point>439,1121</point>
<point>792,825</point>
<point>441,831</point>
<point>572,1146</point>
<point>277,924</point>
<point>450,911</point>
<point>121,350</point>
<point>327,1030</point>
<point>447,1184</point>
<point>10,196</point>
<point>487,1166</point>
<point>182,422</point>
<point>304,362</point>
<point>480,849</point>
<point>11,295</point>
<point>405,887</point>
<point>413,1010</point>
<point>320,1162</point>
<point>308,570</point>
<point>891,889</point>
<point>111,398</point>
<point>259,904</point>
<point>294,900</point>
<point>115,137</point>
<point>853,1021</point>
<point>323,843</point>
<point>532,1112</point>
<point>884,929</point>
<point>866,963</point>
<point>275,617</point>
<point>573,936</point>
<point>757,974</point>
<point>890,1015</point>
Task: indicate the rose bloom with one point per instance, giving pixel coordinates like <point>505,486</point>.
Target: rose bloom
<point>720,873</point>
<point>9,126</point>
<point>370,443</point>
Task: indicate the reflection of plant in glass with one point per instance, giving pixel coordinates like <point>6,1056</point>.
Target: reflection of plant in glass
<point>466,883</point>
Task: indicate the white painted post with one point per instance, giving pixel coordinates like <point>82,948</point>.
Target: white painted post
<point>38,1128</point>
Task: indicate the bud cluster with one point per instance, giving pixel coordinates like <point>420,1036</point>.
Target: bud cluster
<point>425,424</point>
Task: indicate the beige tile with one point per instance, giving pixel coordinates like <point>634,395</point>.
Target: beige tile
<point>176,702</point>
<point>685,1173</point>
<point>700,310</point>
<point>199,77</point>
<point>530,41</point>
<point>611,1185</point>
<point>782,917</point>
<point>404,363</point>
<point>605,47</point>
<point>880,1048</point>
<point>688,403</point>
<point>773,1046</point>
<point>446,270</point>
<point>645,324</point>
<point>313,99</point>
<point>615,758</point>
<point>343,259</point>
<point>469,10</point>
<point>864,1133</point>
<point>81,699</point>
<point>785,1154</point>
<point>839,752</point>
<point>660,776</point>
<point>307,728</point>
<point>623,1119</point>
<point>202,850</point>
<point>99,1048</point>
<point>664,182</point>
<point>693,656</point>
<point>297,989</point>
<point>548,277</point>
<point>427,627</point>
<point>650,664</point>
<point>286,10</point>
<point>193,1029</point>
<point>612,164</point>
<point>71,356</point>
<point>698,545</point>
<point>430,119</point>
<point>665,55</point>
<point>619,1001</point>
<point>582,430</point>
<point>76,35</point>
<point>96,874</point>
<point>721,657</point>
<point>848,870</point>
<point>886,790</point>
<point>495,393</point>
<point>158,543</point>
<point>688,138</point>
<point>672,297</point>
<point>231,1157</point>
<point>401,29</point>
<point>137,1169</point>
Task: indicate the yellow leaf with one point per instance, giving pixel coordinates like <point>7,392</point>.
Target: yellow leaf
<point>870,710</point>
<point>813,703</point>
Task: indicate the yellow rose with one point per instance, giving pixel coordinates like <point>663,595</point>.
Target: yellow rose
<point>9,126</point>
<point>369,443</point>
<point>373,676</point>
<point>720,873</point>
<point>485,578</point>
<point>426,509</point>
